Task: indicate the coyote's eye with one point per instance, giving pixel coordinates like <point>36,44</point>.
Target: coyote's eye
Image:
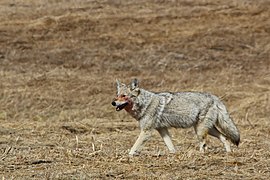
<point>123,95</point>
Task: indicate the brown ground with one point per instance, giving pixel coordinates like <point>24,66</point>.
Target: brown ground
<point>59,61</point>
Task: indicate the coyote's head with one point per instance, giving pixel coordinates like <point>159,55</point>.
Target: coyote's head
<point>126,95</point>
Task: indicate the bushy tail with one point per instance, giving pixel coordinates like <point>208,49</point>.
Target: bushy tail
<point>227,126</point>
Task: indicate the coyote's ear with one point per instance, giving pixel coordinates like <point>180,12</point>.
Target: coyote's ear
<point>134,87</point>
<point>134,84</point>
<point>118,84</point>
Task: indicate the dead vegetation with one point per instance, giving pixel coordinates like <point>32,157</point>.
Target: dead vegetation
<point>58,63</point>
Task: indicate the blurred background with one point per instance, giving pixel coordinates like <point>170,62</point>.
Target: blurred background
<point>59,60</point>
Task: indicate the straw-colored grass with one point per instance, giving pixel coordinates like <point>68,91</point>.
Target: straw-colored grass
<point>59,61</point>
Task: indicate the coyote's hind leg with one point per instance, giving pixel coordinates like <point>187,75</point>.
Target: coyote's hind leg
<point>201,132</point>
<point>214,132</point>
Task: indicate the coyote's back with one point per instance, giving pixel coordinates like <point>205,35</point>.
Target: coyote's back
<point>160,111</point>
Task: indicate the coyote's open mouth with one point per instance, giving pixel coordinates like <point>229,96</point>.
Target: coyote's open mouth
<point>122,106</point>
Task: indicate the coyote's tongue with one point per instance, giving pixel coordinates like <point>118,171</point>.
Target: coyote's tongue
<point>122,106</point>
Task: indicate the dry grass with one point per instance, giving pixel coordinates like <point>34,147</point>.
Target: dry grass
<point>58,63</point>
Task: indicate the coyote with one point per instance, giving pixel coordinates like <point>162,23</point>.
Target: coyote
<point>204,111</point>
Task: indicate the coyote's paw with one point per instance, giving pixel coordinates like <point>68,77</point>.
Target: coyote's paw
<point>131,153</point>
<point>172,151</point>
<point>203,148</point>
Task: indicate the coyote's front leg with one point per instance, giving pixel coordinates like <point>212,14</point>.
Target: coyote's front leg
<point>164,133</point>
<point>143,137</point>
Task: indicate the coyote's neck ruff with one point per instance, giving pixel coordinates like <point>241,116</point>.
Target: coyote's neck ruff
<point>205,112</point>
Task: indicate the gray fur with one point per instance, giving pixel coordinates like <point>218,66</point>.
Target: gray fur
<point>203,111</point>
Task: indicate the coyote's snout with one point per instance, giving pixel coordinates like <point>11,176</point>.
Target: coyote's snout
<point>120,102</point>
<point>203,111</point>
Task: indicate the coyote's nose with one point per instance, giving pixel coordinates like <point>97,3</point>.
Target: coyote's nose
<point>114,103</point>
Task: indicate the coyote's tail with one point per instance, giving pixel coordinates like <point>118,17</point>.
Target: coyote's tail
<point>227,126</point>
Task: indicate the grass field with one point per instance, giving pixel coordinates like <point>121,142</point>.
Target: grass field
<point>58,63</point>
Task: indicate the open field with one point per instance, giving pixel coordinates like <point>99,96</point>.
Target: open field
<point>58,63</point>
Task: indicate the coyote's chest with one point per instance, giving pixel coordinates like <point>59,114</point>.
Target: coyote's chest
<point>149,105</point>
